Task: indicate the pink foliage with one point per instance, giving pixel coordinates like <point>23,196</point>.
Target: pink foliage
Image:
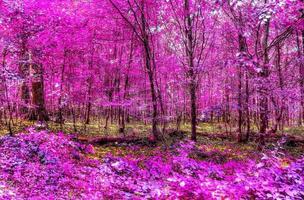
<point>42,165</point>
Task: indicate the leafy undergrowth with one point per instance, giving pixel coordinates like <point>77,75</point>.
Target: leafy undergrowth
<point>43,165</point>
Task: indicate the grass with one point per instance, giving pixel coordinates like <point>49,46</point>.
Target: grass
<point>96,128</point>
<point>296,130</point>
<point>17,126</point>
<point>135,127</point>
<point>204,127</point>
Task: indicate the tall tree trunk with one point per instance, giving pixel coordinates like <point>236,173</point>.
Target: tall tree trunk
<point>90,82</point>
<point>126,88</point>
<point>89,104</point>
<point>263,87</point>
<point>247,107</point>
<point>193,111</point>
<point>24,73</point>
<point>192,74</point>
<point>59,117</point>
<point>10,115</point>
<point>242,50</point>
<point>240,104</point>
<point>38,111</point>
<point>74,119</point>
<point>301,75</point>
<point>150,70</point>
<point>278,108</point>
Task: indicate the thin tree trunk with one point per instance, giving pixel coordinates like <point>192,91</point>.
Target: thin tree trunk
<point>74,119</point>
<point>38,111</point>
<point>242,50</point>
<point>24,73</point>
<point>240,104</point>
<point>278,109</point>
<point>148,62</point>
<point>89,104</point>
<point>126,89</point>
<point>192,76</point>
<point>9,124</point>
<point>247,108</point>
<point>301,75</point>
<point>263,89</point>
<point>60,119</point>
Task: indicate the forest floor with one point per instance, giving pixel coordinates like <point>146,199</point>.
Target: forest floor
<point>43,164</point>
<point>96,128</point>
<point>208,133</point>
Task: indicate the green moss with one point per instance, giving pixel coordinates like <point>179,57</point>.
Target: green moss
<point>297,130</point>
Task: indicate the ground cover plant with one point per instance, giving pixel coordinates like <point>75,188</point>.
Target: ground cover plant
<point>39,165</point>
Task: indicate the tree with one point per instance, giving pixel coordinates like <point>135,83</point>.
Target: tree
<point>192,27</point>
<point>141,27</point>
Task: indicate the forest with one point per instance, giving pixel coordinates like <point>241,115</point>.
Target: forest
<point>151,99</point>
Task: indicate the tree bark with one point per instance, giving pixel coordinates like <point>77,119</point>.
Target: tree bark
<point>240,104</point>
<point>150,70</point>
<point>24,73</point>
<point>126,89</point>
<point>192,76</point>
<point>247,107</point>
<point>301,76</point>
<point>263,87</point>
<point>242,51</point>
<point>59,117</point>
<point>89,104</point>
<point>10,115</point>
<point>38,111</point>
<point>278,108</point>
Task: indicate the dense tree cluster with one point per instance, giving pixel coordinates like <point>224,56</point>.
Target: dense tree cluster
<point>236,61</point>
<point>165,66</point>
